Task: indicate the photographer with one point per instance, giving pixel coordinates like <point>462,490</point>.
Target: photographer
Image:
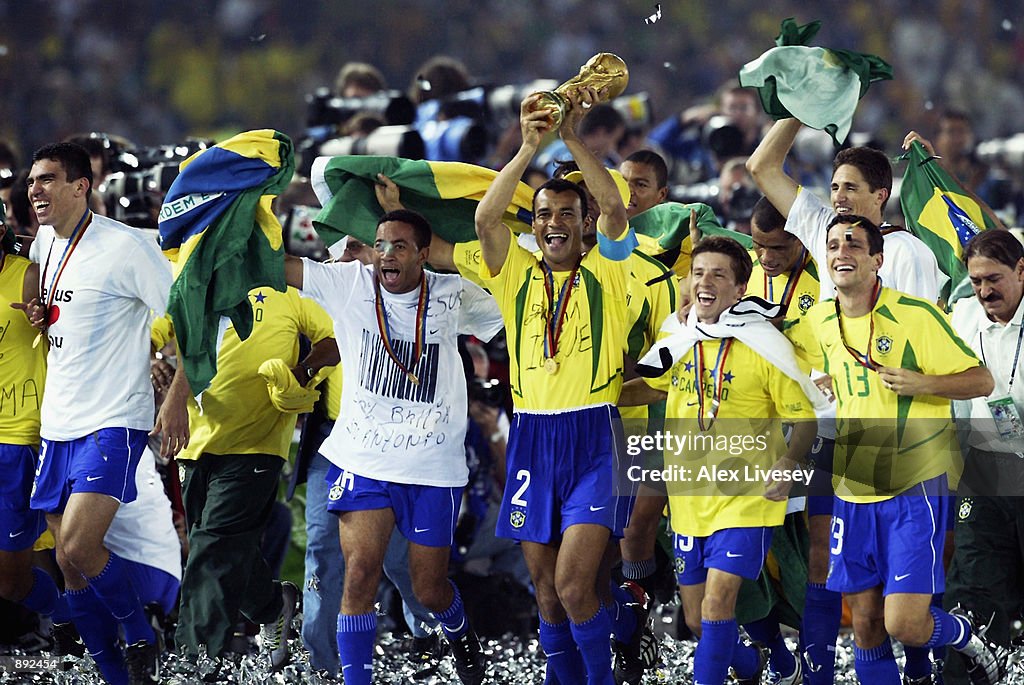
<point>701,139</point>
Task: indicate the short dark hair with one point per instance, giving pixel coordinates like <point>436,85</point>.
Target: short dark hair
<point>653,160</point>
<point>601,116</point>
<point>995,244</point>
<point>560,185</point>
<point>72,156</point>
<point>421,231</point>
<point>876,240</point>
<point>766,217</point>
<point>872,164</point>
<point>742,265</point>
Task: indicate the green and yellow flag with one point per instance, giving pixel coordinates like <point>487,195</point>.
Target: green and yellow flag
<point>217,227</point>
<point>446,193</point>
<point>939,211</point>
<point>665,228</point>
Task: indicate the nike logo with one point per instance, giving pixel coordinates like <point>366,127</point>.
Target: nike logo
<point>593,508</point>
<point>420,530</point>
<point>732,555</point>
<point>90,479</point>
<point>14,535</point>
<point>899,578</point>
<point>260,470</point>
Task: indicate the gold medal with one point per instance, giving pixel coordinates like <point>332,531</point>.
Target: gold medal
<point>550,365</point>
<point>412,378</point>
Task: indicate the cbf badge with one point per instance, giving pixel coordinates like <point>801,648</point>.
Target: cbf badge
<point>883,344</point>
<point>1007,417</point>
<point>965,509</point>
<point>335,493</point>
<point>805,302</point>
<point>181,473</point>
<point>680,566</point>
<point>517,519</point>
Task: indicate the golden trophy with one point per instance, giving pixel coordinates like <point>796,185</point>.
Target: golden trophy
<point>603,70</point>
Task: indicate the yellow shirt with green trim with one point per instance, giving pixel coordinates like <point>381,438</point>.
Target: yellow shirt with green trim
<point>467,261</point>
<point>772,289</point>
<point>593,336</point>
<point>886,443</point>
<point>22,366</point>
<point>745,436</point>
<point>650,299</point>
<point>237,416</point>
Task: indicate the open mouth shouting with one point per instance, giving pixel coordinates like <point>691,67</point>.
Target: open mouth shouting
<point>390,275</point>
<point>556,239</point>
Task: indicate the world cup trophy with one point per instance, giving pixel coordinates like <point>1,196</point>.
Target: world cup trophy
<point>602,71</point>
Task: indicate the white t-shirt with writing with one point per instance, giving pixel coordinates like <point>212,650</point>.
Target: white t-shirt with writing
<point>907,263</point>
<point>112,285</point>
<point>389,428</point>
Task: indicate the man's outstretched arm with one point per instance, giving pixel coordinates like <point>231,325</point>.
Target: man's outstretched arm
<point>766,165</point>
<point>494,237</point>
<point>612,221</point>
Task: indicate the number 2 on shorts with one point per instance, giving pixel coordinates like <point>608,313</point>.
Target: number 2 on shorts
<point>517,499</point>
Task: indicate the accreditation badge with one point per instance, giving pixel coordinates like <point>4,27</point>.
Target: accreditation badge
<point>1007,417</point>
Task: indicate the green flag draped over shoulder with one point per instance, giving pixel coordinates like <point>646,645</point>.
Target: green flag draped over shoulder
<point>665,228</point>
<point>939,211</point>
<point>217,227</point>
<point>446,193</point>
<point>818,86</point>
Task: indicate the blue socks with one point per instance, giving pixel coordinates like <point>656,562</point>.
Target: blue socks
<point>565,664</point>
<point>877,665</point>
<point>766,631</point>
<point>115,590</point>
<point>949,630</point>
<point>714,655</point>
<point>918,664</point>
<point>623,618</point>
<point>99,633</point>
<point>823,610</point>
<point>593,637</point>
<point>453,619</point>
<point>42,598</point>
<point>356,635</point>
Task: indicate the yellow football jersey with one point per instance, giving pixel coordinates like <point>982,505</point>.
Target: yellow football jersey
<point>716,470</point>
<point>886,443</point>
<point>593,336</point>
<point>237,416</point>
<point>467,261</point>
<point>777,290</point>
<point>650,299</point>
<point>22,366</point>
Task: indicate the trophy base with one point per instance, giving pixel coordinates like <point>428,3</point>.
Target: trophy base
<point>553,101</point>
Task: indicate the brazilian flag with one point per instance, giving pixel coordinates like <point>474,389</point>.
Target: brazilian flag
<point>217,227</point>
<point>446,193</point>
<point>939,211</point>
<point>665,229</point>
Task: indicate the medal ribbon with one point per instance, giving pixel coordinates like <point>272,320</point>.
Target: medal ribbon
<point>864,360</point>
<point>556,308</point>
<point>790,290</point>
<point>421,327</point>
<point>717,375</point>
<point>65,257</point>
